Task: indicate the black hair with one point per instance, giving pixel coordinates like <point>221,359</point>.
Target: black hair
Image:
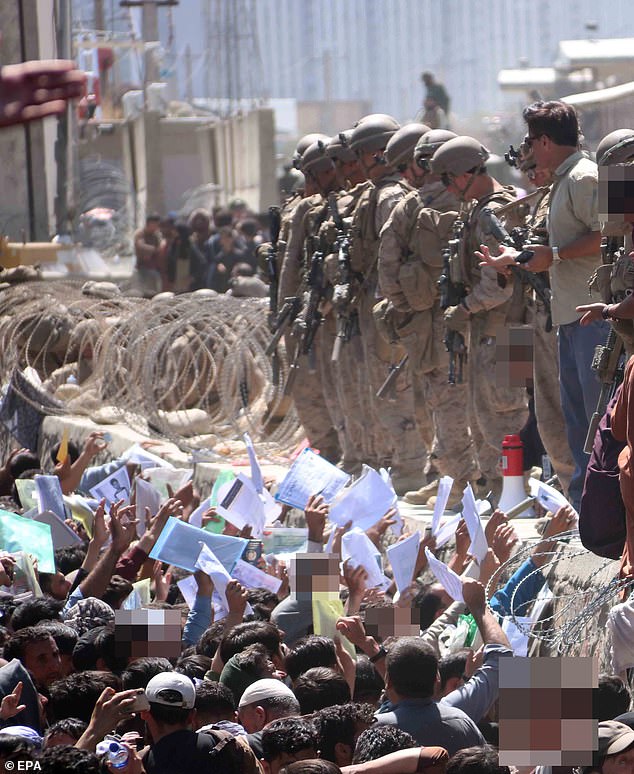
<point>476,760</point>
<point>310,651</point>
<point>139,672</point>
<point>32,611</point>
<point>153,217</point>
<point>65,637</point>
<point>23,462</point>
<point>452,665</point>
<point>170,716</point>
<point>557,120</point>
<point>64,759</point>
<point>380,740</point>
<point>215,699</point>
<point>74,452</point>
<point>117,590</point>
<point>368,683</point>
<point>75,696</point>
<point>611,698</point>
<point>411,667</point>
<point>288,735</point>
<point>193,666</point>
<point>17,645</point>
<point>321,687</point>
<point>429,604</point>
<point>340,724</point>
<point>16,748</point>
<point>244,634</point>
<point>71,726</point>
<point>85,651</point>
<point>109,650</point>
<point>208,644</point>
<point>70,558</point>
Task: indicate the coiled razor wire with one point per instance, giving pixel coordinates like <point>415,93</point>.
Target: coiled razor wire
<point>153,361</point>
<point>575,613</point>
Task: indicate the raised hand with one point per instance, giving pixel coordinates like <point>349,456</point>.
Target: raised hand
<point>316,512</point>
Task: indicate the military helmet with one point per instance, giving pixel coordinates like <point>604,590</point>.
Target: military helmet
<point>373,132</point>
<point>338,149</point>
<point>400,148</point>
<point>315,159</point>
<point>429,143</point>
<point>305,141</point>
<point>616,148</point>
<point>459,155</point>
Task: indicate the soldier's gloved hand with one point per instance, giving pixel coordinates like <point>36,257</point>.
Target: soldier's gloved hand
<point>457,318</point>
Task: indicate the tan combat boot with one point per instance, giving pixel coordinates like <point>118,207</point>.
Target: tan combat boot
<point>403,483</point>
<point>422,495</point>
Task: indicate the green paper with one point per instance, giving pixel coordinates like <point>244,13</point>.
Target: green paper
<point>19,534</point>
<point>224,477</point>
<point>26,493</point>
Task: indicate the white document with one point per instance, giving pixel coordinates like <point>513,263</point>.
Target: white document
<point>209,564</point>
<point>137,455</point>
<point>357,547</point>
<point>188,588</point>
<point>547,496</point>
<point>363,502</point>
<point>517,638</point>
<point>479,546</point>
<point>114,488</point>
<point>196,518</point>
<point>447,530</point>
<point>445,576</point>
<point>444,490</point>
<point>544,597</point>
<point>403,558</point>
<point>399,526</point>
<point>241,506</point>
<point>61,534</point>
<point>160,477</point>
<point>254,578</point>
<point>147,496</point>
<point>310,474</point>
<point>256,472</point>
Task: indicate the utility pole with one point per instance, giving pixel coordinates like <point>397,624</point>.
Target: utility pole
<point>63,148</point>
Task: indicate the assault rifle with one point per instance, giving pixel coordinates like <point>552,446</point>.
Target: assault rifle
<point>341,294</point>
<point>516,239</point>
<point>452,291</point>
<point>608,361</point>
<point>312,317</point>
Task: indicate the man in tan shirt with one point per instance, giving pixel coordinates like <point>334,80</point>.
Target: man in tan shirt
<point>571,256</point>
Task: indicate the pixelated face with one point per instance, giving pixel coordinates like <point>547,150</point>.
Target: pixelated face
<point>616,193</point>
<point>146,632</point>
<point>514,356</point>
<point>545,711</point>
<point>314,573</point>
<point>43,661</point>
<point>384,622</point>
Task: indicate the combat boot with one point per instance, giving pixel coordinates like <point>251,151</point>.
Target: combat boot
<point>454,501</point>
<point>404,482</point>
<point>422,495</point>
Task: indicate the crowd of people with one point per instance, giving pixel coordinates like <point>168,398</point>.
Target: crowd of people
<point>215,250</point>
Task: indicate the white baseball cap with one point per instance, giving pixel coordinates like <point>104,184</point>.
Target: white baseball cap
<point>171,690</point>
<point>267,688</point>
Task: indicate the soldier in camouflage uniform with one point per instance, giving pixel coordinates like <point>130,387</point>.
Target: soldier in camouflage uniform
<point>495,410</point>
<point>410,264</point>
<point>394,423</point>
<point>308,396</point>
<point>615,282</point>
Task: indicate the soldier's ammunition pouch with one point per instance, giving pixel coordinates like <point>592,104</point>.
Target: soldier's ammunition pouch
<point>493,320</point>
<point>412,331</point>
<point>417,285</point>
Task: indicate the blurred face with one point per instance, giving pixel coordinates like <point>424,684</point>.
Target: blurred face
<point>152,226</point>
<point>43,661</point>
<point>56,740</point>
<point>60,586</point>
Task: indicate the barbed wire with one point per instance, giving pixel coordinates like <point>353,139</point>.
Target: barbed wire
<point>574,614</point>
<point>190,368</point>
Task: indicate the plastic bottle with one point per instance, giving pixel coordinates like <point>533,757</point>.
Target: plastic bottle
<point>115,753</point>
